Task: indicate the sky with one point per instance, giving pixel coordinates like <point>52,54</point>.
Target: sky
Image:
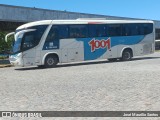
<point>145,9</point>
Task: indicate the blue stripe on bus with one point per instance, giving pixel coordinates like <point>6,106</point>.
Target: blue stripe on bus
<point>127,40</point>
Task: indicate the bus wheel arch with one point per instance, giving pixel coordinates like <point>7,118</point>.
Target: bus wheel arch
<point>50,60</point>
<point>127,54</point>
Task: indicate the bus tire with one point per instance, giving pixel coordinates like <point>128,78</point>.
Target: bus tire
<point>112,59</point>
<point>127,55</point>
<point>51,61</point>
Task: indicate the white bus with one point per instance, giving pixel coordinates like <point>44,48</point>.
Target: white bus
<point>48,42</point>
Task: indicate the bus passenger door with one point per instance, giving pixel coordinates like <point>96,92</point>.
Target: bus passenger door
<point>29,57</point>
<point>28,48</point>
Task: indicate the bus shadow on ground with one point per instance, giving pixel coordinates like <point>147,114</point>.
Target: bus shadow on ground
<point>64,65</point>
<point>145,58</point>
<point>85,63</point>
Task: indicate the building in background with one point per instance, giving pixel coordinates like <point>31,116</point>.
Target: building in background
<point>13,16</point>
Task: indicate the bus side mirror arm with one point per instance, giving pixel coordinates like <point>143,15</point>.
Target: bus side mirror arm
<point>9,34</point>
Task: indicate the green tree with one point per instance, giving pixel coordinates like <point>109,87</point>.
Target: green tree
<point>4,46</point>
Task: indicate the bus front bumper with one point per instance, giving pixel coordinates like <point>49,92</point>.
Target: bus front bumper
<point>16,60</point>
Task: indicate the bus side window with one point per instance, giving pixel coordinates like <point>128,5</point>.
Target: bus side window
<point>114,30</point>
<point>53,34</point>
<point>52,40</point>
<point>78,31</point>
<point>40,29</point>
<point>148,28</point>
<point>145,28</point>
<point>97,30</point>
<point>141,29</point>
<point>134,29</point>
<point>92,30</point>
<point>63,31</point>
<point>125,30</point>
<point>101,31</point>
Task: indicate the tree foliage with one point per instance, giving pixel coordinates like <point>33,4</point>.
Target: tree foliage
<point>5,46</point>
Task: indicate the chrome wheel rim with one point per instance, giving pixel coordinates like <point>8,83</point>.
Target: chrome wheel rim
<point>127,56</point>
<point>50,61</point>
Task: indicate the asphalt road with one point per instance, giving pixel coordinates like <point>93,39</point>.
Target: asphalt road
<point>91,86</point>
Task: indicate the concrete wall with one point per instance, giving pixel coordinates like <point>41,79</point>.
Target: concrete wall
<point>25,14</point>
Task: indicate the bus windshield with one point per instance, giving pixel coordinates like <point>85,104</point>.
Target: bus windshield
<point>16,45</point>
<point>26,39</point>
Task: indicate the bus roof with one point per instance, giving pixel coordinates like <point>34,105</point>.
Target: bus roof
<point>81,21</point>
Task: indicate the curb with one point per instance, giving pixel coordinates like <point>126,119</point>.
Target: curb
<point>5,65</point>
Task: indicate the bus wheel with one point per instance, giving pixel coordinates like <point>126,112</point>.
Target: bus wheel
<point>112,59</point>
<point>127,55</point>
<point>51,61</point>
